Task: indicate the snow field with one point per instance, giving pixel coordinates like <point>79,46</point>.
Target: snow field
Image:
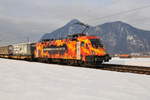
<point>21,80</point>
<point>131,61</point>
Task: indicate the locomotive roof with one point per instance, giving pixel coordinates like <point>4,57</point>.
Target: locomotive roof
<point>89,37</point>
<point>74,36</point>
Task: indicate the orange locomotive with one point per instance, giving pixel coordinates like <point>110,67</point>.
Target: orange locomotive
<point>76,49</point>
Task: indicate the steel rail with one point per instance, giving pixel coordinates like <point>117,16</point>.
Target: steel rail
<point>125,68</point>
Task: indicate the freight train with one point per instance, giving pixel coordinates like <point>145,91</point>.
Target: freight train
<point>75,49</point>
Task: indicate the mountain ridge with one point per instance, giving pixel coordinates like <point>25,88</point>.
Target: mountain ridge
<point>118,37</point>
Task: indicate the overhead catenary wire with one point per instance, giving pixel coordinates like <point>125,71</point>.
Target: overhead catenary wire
<point>119,13</point>
<point>116,14</point>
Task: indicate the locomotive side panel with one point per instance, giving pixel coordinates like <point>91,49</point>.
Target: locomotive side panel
<point>59,49</point>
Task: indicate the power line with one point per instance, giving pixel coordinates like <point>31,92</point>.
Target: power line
<point>122,12</point>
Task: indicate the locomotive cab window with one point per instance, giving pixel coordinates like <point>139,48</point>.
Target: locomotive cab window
<point>96,43</point>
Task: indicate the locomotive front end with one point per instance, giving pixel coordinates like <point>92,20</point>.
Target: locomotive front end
<point>92,50</point>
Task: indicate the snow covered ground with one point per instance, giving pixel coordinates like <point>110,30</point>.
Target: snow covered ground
<point>21,80</point>
<point>131,61</point>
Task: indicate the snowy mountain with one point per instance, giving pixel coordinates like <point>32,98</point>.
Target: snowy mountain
<point>117,37</point>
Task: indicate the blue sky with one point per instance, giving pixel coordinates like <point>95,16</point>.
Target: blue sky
<point>22,18</point>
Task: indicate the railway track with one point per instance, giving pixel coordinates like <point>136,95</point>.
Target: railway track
<point>125,68</point>
<point>113,67</point>
<point>119,68</point>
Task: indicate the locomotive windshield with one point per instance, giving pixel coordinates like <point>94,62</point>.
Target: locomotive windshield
<point>96,43</point>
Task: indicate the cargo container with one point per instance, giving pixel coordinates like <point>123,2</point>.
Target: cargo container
<point>6,50</point>
<point>22,49</point>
